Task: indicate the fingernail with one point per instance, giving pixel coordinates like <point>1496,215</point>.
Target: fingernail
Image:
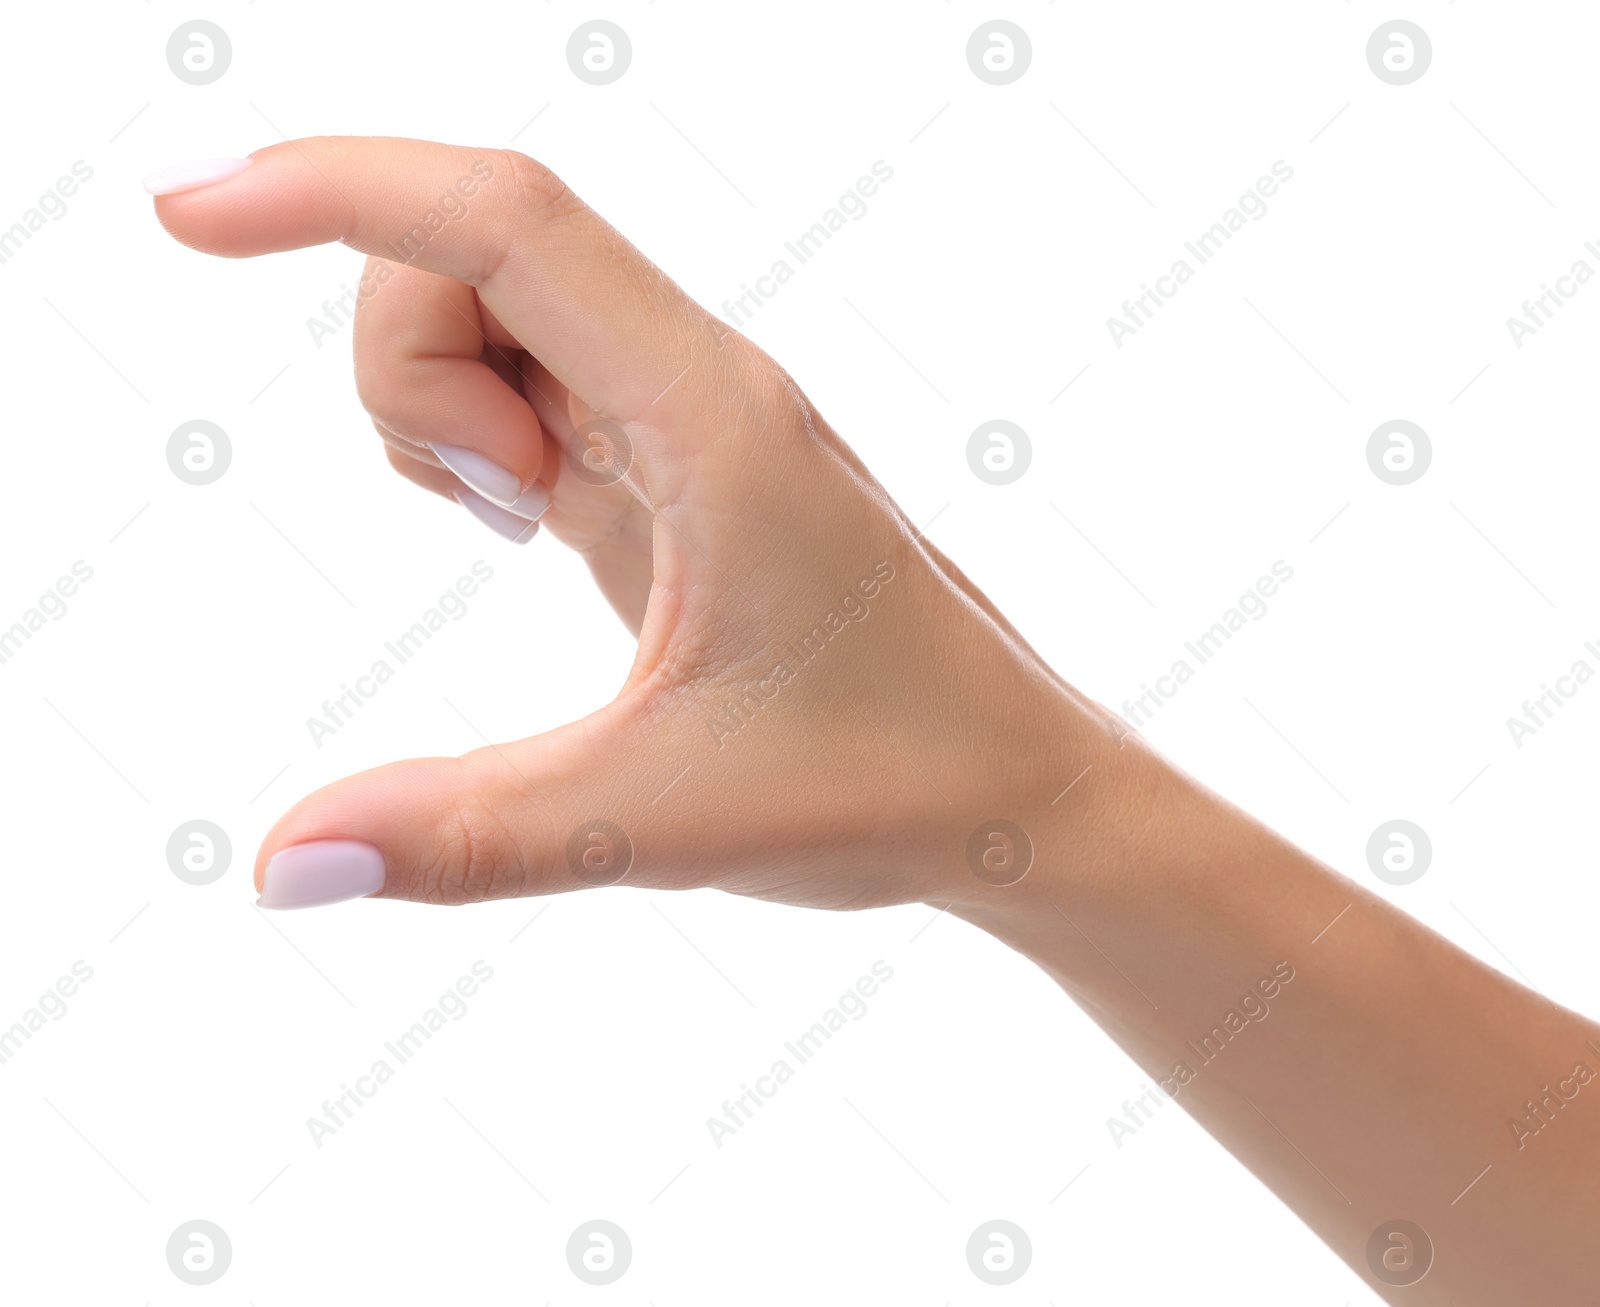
<point>494,482</point>
<point>182,177</point>
<point>321,871</point>
<point>501,521</point>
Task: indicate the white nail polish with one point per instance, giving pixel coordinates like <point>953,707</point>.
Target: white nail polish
<point>493,482</point>
<point>182,177</point>
<point>501,521</point>
<point>531,503</point>
<point>321,871</point>
<point>484,475</point>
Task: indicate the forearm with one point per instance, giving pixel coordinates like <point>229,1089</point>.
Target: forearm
<point>823,711</point>
<point>1362,1066</point>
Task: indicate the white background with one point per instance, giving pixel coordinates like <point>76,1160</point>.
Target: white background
<point>578,1083</point>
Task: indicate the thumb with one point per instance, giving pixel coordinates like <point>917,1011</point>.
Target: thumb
<point>540,816</point>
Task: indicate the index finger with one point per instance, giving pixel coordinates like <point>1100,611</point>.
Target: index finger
<point>598,314</point>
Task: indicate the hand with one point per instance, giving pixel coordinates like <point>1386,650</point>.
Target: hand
<point>822,710</point>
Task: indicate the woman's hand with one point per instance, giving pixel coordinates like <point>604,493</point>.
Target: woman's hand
<point>822,711</point>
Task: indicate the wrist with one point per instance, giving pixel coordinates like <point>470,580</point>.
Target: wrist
<point>1085,819</point>
<point>1150,898</point>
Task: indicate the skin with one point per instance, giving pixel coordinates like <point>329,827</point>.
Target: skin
<point>1393,1063</point>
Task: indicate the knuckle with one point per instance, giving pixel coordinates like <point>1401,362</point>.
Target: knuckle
<point>383,388</point>
<point>773,393</point>
<point>538,191</point>
<point>408,465</point>
<point>474,857</point>
<point>526,192</point>
<point>372,393</point>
